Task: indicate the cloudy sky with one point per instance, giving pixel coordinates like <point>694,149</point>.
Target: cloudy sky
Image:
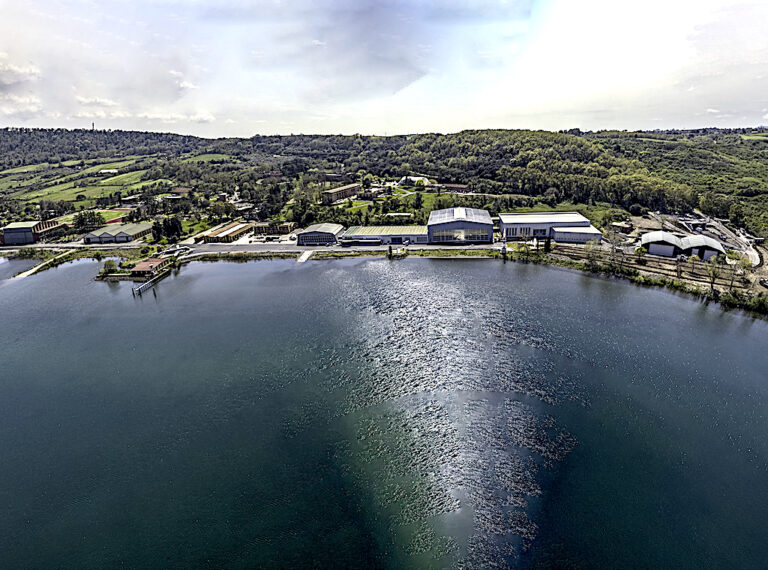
<point>245,67</point>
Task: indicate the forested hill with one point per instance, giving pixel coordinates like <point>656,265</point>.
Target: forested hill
<point>722,172</point>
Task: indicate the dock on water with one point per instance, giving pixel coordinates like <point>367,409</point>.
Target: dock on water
<point>138,290</point>
<point>305,256</point>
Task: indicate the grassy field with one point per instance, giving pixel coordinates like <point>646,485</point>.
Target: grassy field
<point>109,215</point>
<point>207,157</point>
<point>755,137</point>
<point>126,179</point>
<point>191,227</point>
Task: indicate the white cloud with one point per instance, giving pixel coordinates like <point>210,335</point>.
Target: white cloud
<point>237,67</point>
<point>96,101</point>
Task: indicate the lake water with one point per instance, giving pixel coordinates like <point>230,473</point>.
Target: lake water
<point>367,413</point>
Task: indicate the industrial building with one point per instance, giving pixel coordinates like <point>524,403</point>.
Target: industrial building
<point>229,233</point>
<point>330,196</point>
<point>669,245</point>
<point>320,234</point>
<point>460,225</point>
<point>378,235</point>
<point>22,233</point>
<point>560,226</point>
<point>118,233</point>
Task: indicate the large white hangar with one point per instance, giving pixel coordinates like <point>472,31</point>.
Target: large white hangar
<point>320,234</point>
<point>560,226</point>
<point>460,225</point>
<point>669,245</point>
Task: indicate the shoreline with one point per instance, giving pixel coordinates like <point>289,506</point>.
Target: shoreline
<point>755,305</point>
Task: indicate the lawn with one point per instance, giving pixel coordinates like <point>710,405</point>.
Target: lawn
<point>207,157</point>
<point>124,179</point>
<point>191,227</point>
<point>109,215</point>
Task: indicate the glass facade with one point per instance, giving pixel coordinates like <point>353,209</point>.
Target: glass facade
<point>460,235</point>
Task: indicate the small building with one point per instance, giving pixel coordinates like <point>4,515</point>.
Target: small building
<point>542,225</point>
<point>22,233</point>
<point>330,196</point>
<point>377,235</point>
<point>181,191</point>
<point>150,267</point>
<point>273,228</point>
<point>576,234</point>
<point>118,233</point>
<point>108,171</point>
<point>229,233</point>
<point>460,225</point>
<point>320,234</point>
<point>667,244</point>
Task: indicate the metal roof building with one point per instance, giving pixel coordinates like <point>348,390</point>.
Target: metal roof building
<point>669,245</point>
<point>118,233</point>
<point>460,225</point>
<point>560,226</point>
<point>21,233</point>
<point>397,235</point>
<point>320,234</point>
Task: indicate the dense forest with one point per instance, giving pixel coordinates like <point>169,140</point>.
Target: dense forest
<point>721,172</point>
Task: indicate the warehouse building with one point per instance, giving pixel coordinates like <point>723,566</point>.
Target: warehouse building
<point>118,233</point>
<point>560,226</point>
<point>330,196</point>
<point>460,225</point>
<point>320,234</point>
<point>229,233</point>
<point>669,245</point>
<point>22,233</point>
<point>378,235</point>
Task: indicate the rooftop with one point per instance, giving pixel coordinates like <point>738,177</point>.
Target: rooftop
<point>149,264</point>
<point>543,218</point>
<point>578,230</point>
<point>325,228</point>
<point>114,229</point>
<point>385,230</point>
<point>347,187</point>
<point>459,215</point>
<point>686,242</point>
<point>20,225</point>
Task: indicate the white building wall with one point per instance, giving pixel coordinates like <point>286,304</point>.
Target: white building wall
<point>527,230</point>
<point>574,237</point>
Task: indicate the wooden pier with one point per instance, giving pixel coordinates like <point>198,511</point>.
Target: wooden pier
<point>149,284</point>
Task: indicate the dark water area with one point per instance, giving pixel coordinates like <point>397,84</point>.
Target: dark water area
<point>10,267</point>
<point>417,413</point>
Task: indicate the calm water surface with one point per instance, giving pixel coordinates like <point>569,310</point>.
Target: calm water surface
<point>443,413</point>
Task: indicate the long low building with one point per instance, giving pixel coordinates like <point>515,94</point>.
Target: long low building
<point>229,233</point>
<point>559,226</point>
<point>22,233</point>
<point>460,225</point>
<point>320,234</point>
<point>376,235</point>
<point>118,233</point>
<point>667,244</point>
<point>330,196</point>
